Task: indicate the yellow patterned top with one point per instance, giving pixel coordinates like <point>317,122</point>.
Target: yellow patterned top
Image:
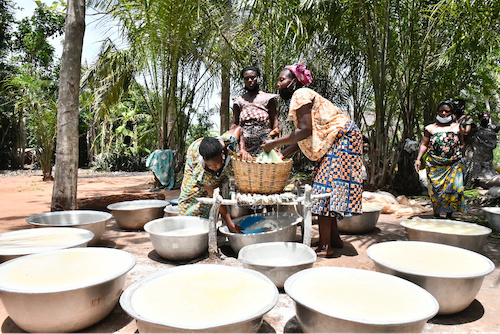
<point>327,120</point>
<point>196,178</point>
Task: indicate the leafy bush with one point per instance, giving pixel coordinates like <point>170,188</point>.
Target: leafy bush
<point>115,160</point>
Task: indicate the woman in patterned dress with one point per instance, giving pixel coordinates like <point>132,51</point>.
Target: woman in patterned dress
<point>325,135</point>
<point>444,143</point>
<point>256,113</point>
<point>207,165</point>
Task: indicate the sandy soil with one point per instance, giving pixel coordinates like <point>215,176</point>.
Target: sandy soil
<point>24,194</point>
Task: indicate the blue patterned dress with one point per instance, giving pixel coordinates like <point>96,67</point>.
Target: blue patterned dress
<point>196,178</point>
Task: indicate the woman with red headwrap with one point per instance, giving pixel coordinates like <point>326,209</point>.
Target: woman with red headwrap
<point>325,135</point>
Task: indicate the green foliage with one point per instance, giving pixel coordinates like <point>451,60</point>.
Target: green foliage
<point>31,38</point>
<point>201,128</point>
<point>472,193</point>
<point>119,160</point>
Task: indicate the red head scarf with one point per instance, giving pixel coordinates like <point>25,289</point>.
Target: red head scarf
<point>301,72</point>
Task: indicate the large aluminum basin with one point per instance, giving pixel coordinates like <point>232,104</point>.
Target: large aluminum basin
<point>133,215</point>
<point>203,298</point>
<point>493,216</point>
<point>37,240</point>
<point>277,260</point>
<point>362,223</point>
<point>449,232</point>
<point>64,290</point>
<point>179,238</point>
<point>451,274</point>
<point>94,221</point>
<point>348,300</point>
<point>286,230</point>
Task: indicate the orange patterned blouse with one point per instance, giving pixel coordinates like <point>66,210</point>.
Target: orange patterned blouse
<point>327,120</point>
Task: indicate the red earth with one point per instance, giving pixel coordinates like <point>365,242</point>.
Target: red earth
<point>24,194</point>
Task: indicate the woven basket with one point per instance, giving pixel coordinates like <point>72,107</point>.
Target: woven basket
<point>261,177</point>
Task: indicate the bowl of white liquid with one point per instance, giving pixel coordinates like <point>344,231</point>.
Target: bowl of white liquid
<point>37,240</point>
<point>277,260</point>
<point>363,223</point>
<point>449,232</point>
<point>64,290</point>
<point>179,238</point>
<point>133,215</point>
<point>203,298</point>
<point>361,301</point>
<point>493,216</point>
<point>94,221</point>
<point>451,274</point>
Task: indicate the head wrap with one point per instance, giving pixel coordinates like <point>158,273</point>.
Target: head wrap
<point>448,103</point>
<point>301,72</point>
<point>484,115</point>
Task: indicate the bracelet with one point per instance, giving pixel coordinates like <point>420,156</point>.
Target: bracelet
<point>417,160</point>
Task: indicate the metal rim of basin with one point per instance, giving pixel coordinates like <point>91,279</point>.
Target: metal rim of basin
<point>147,204</point>
<point>126,297</point>
<point>86,234</point>
<point>148,227</point>
<point>96,250</point>
<point>487,230</point>
<point>249,248</point>
<point>101,216</point>
<point>369,253</point>
<point>289,290</point>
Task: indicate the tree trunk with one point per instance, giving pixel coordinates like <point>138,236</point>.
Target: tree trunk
<point>224,100</point>
<point>172,104</point>
<point>66,171</point>
<point>225,75</point>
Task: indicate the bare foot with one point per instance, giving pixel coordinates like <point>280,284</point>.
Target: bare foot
<point>324,251</point>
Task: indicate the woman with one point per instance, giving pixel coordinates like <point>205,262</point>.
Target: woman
<point>207,165</point>
<point>325,135</point>
<point>255,111</point>
<point>444,143</point>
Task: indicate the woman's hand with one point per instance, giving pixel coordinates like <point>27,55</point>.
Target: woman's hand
<point>274,132</point>
<point>234,228</point>
<point>268,145</point>
<point>244,155</point>
<point>417,165</point>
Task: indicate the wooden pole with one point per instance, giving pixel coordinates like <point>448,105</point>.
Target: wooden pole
<point>212,225</point>
<point>307,215</point>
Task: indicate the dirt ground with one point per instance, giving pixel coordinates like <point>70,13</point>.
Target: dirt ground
<point>23,194</point>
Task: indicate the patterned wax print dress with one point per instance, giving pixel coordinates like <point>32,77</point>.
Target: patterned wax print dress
<point>336,145</point>
<point>196,178</point>
<point>254,121</point>
<point>444,168</point>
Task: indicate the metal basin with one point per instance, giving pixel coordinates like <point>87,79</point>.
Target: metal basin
<point>171,211</point>
<point>203,298</point>
<point>133,215</point>
<point>94,221</point>
<point>362,223</point>
<point>286,229</point>
<point>64,290</point>
<point>451,274</point>
<point>449,232</point>
<point>179,238</point>
<point>362,301</point>
<point>38,240</point>
<point>493,216</point>
<point>277,260</point>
